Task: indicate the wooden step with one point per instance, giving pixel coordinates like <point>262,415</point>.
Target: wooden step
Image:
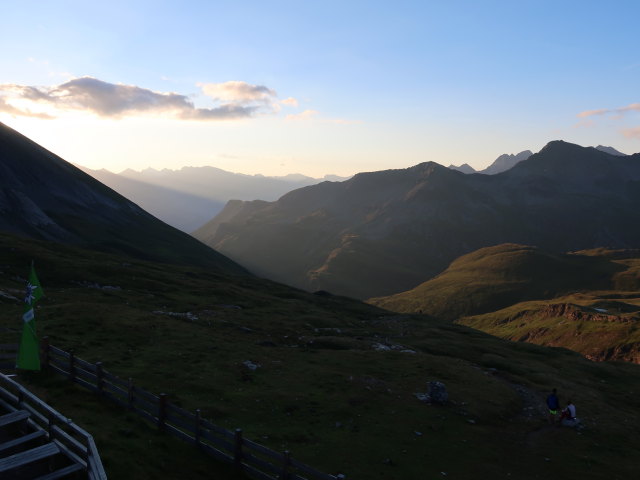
<point>21,440</point>
<point>14,417</point>
<point>25,458</point>
<point>61,473</point>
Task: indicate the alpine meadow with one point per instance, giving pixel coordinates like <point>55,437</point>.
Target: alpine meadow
<point>339,241</point>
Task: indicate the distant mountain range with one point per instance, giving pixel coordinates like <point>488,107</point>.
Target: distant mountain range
<point>506,161</point>
<point>501,164</point>
<point>189,197</point>
<point>44,197</point>
<point>385,232</point>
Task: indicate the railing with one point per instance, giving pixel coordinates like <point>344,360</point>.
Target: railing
<point>8,354</point>
<point>72,440</point>
<point>255,460</point>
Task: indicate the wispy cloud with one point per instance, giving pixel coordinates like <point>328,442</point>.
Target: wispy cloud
<point>239,92</point>
<point>290,102</point>
<point>604,111</point>
<point>632,132</point>
<point>234,100</point>
<point>305,115</point>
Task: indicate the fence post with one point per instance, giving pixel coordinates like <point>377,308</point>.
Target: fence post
<point>197,432</point>
<point>284,475</point>
<point>50,421</point>
<point>44,350</point>
<point>72,366</point>
<point>237,450</point>
<point>100,377</point>
<point>130,393</point>
<point>162,411</point>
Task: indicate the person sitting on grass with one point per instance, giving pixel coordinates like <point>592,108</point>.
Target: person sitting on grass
<point>568,417</point>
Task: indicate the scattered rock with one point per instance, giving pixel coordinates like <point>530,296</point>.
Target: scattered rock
<point>97,286</point>
<point>418,434</point>
<point>327,329</point>
<point>8,297</point>
<point>423,397</point>
<point>251,366</point>
<point>437,391</point>
<point>387,347</point>
<point>187,315</point>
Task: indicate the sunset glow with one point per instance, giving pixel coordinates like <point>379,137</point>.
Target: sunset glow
<point>256,89</point>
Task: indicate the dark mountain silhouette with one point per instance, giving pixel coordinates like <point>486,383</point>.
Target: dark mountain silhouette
<point>189,197</point>
<point>385,232</point>
<point>501,164</point>
<point>44,197</point>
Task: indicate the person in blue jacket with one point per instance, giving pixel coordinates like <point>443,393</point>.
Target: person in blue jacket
<point>553,404</point>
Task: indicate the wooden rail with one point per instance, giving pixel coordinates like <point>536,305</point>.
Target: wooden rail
<point>256,460</point>
<point>68,437</point>
<point>8,355</point>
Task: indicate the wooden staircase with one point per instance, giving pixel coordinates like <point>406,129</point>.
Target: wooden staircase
<point>36,442</point>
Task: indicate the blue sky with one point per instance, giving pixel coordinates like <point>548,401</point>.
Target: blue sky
<point>318,87</point>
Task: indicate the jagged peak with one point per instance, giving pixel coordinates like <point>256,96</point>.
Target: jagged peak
<point>610,151</point>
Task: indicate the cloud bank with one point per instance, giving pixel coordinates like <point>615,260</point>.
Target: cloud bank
<point>233,100</point>
<point>604,111</point>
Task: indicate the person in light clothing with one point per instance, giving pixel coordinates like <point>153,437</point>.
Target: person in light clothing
<point>568,417</point>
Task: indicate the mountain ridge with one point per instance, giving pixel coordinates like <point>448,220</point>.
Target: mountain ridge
<point>44,197</point>
<point>384,232</point>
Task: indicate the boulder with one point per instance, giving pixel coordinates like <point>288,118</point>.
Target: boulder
<point>437,392</point>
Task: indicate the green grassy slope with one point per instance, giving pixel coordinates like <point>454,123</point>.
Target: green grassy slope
<point>600,326</point>
<point>495,277</point>
<point>323,390</point>
<point>587,301</point>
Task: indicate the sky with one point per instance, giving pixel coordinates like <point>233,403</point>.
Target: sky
<point>331,87</point>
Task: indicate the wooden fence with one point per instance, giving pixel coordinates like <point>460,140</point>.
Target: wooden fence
<point>256,460</point>
<point>8,355</point>
<point>72,440</point>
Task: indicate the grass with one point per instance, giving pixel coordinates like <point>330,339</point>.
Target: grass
<point>507,291</point>
<point>322,391</point>
<point>495,277</point>
<point>572,322</point>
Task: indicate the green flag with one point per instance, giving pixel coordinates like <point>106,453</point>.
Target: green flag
<point>29,353</point>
